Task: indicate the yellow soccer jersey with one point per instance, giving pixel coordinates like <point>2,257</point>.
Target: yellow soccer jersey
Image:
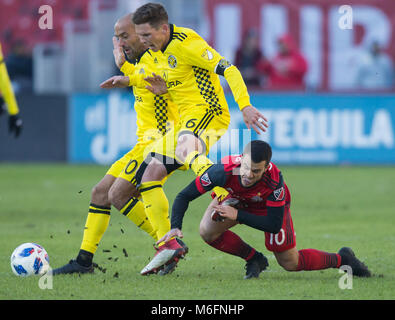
<point>156,114</point>
<point>6,88</point>
<point>191,69</point>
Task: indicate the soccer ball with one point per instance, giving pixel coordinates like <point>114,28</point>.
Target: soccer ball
<point>29,259</point>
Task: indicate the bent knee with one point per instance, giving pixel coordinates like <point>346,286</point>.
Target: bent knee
<point>187,144</point>
<point>100,194</point>
<point>207,234</point>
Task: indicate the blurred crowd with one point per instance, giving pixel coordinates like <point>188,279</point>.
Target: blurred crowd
<point>287,69</point>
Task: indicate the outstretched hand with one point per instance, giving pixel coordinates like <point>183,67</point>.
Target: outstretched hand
<point>254,119</point>
<point>115,82</point>
<point>157,84</point>
<point>170,235</point>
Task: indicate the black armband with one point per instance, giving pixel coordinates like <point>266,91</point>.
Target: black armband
<point>222,66</point>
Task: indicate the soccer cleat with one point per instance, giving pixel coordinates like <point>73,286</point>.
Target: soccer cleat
<point>170,252</point>
<point>255,266</point>
<point>72,267</point>
<point>170,267</point>
<point>359,269</point>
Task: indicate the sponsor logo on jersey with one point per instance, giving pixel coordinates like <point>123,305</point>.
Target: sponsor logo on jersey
<point>172,84</point>
<point>205,180</point>
<point>279,194</point>
<point>172,61</point>
<point>165,76</point>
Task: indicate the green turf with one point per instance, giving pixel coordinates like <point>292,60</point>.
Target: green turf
<point>331,207</point>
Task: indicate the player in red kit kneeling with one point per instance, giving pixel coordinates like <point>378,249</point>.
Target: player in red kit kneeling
<point>259,198</point>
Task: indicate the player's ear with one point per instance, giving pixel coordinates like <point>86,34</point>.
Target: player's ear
<point>165,27</point>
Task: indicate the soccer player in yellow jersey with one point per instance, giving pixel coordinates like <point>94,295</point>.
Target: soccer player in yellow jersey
<point>191,69</point>
<point>156,115</point>
<point>14,120</point>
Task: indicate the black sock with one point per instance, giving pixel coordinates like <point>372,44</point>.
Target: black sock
<point>85,258</point>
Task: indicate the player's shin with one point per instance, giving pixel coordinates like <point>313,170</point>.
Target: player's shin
<point>312,259</point>
<point>96,224</point>
<point>231,243</point>
<point>156,206</point>
<point>134,210</point>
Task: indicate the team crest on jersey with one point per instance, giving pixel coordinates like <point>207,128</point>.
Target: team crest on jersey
<point>279,194</point>
<point>172,61</point>
<point>208,55</point>
<point>205,180</point>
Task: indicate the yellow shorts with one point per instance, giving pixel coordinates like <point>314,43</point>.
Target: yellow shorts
<point>127,166</point>
<point>206,126</point>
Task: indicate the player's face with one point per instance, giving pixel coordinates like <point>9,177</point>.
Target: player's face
<point>251,172</point>
<point>128,39</point>
<point>153,38</point>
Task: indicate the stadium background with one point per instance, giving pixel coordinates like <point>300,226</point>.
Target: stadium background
<point>332,120</point>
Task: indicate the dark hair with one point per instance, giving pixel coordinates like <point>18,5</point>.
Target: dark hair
<point>153,13</point>
<point>259,151</point>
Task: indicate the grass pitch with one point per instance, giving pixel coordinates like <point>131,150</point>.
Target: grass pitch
<point>331,207</point>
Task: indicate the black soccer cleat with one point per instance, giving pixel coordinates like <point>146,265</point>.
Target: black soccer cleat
<point>359,269</point>
<point>255,266</point>
<point>72,267</point>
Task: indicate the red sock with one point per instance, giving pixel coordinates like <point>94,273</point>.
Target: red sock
<point>231,243</point>
<point>312,259</point>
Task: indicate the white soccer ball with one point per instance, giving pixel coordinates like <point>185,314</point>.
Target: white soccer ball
<point>29,259</point>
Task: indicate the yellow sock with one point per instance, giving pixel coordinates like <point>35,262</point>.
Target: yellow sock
<point>135,211</point>
<point>95,226</point>
<point>156,206</point>
<point>199,163</point>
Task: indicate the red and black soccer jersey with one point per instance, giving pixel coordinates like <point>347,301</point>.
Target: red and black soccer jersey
<point>261,205</point>
<point>270,191</point>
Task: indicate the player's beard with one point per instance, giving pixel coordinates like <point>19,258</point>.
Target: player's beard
<point>131,54</point>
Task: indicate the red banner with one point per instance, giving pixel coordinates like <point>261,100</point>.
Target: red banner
<point>335,38</point>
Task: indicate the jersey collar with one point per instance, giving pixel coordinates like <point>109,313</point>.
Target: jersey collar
<point>171,37</point>
<point>137,60</point>
<point>141,55</point>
